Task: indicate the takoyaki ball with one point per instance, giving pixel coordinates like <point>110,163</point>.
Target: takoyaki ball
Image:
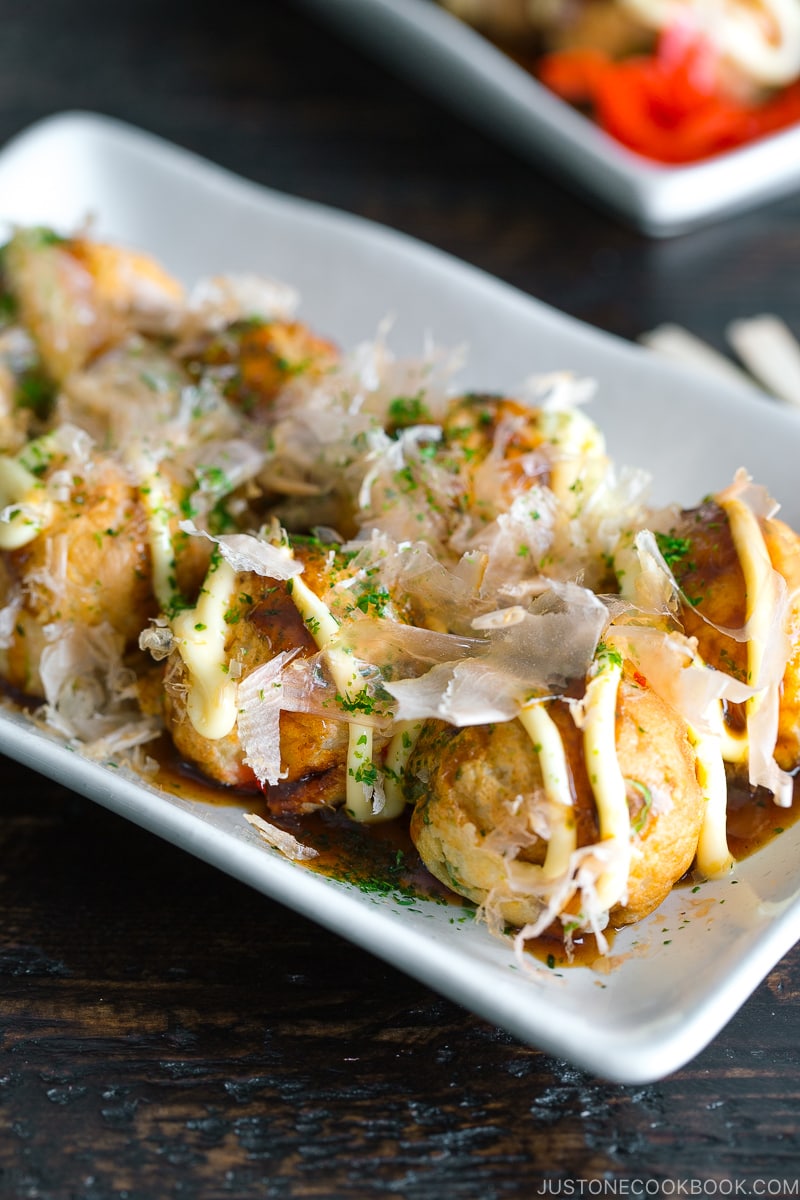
<point>501,448</point>
<point>89,564</point>
<point>263,622</point>
<point>477,425</point>
<point>465,785</point>
<point>783,547</point>
<point>658,762</point>
<point>478,798</point>
<point>255,360</point>
<point>78,297</point>
<point>83,555</point>
<point>701,552</point>
<point>502,479</point>
<point>492,451</point>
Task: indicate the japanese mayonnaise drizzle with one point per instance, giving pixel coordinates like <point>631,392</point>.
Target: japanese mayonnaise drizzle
<point>211,704</point>
<point>598,714</point>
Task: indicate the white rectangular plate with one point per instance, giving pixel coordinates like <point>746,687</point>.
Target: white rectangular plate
<point>676,978</point>
<point>466,71</point>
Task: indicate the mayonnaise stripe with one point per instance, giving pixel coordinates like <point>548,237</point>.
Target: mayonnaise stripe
<point>362,775</point>
<point>606,780</point>
<point>200,634</point>
<point>549,746</point>
<point>713,856</point>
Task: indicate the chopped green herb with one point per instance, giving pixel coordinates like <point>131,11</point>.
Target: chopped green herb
<point>673,549</point>
<point>409,410</point>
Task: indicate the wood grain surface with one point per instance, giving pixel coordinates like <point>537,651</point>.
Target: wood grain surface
<point>164,1031</point>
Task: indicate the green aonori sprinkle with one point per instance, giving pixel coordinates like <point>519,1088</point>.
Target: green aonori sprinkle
<point>673,549</point>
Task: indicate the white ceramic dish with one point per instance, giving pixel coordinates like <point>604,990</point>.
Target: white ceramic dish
<point>466,71</point>
<point>677,978</point>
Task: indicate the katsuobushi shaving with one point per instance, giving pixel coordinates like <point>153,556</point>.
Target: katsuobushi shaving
<point>338,580</point>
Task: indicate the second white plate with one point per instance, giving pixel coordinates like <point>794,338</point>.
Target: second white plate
<point>467,72</point>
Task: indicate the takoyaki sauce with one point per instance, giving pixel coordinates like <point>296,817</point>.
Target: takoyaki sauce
<point>180,778</point>
<point>378,858</point>
<point>550,949</point>
<point>16,700</point>
<point>381,859</point>
<point>754,819</point>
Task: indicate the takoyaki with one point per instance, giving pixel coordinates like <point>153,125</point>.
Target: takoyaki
<point>579,812</point>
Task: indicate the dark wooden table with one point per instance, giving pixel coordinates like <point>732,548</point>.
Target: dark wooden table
<point>164,1031</point>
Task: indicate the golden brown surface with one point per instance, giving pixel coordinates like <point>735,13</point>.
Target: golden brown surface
<point>264,357</point>
<point>264,622</point>
<point>783,546</point>
<point>91,567</point>
<point>710,575</point>
<point>77,297</point>
<point>654,750</point>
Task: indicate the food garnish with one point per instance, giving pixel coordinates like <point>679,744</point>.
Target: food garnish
<point>336,583</point>
<point>677,81</point>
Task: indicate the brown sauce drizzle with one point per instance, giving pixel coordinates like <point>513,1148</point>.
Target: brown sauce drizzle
<point>377,858</point>
<point>550,950</point>
<point>180,778</point>
<point>754,820</point>
<point>381,859</point>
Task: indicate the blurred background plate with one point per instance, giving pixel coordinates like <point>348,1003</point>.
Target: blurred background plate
<point>464,69</point>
